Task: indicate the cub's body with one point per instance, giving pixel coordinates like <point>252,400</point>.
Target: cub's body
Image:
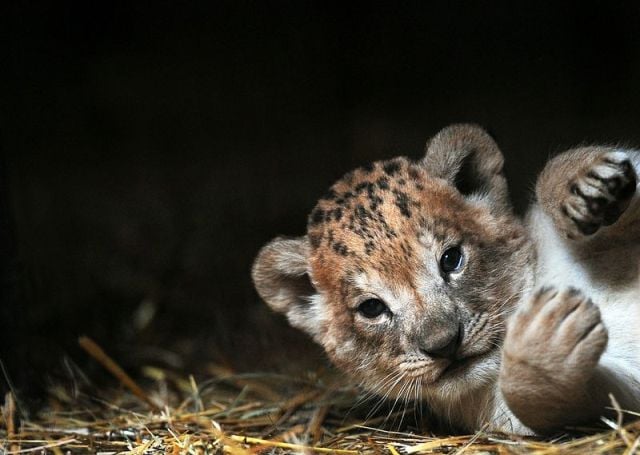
<point>606,269</point>
<point>420,283</point>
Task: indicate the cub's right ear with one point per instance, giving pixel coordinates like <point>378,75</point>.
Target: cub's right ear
<point>281,276</point>
<point>467,157</point>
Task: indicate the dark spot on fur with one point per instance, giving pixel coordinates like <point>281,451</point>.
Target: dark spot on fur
<point>362,214</point>
<point>361,186</point>
<point>371,191</point>
<point>385,228</point>
<point>317,216</point>
<point>329,195</point>
<point>337,214</point>
<point>402,202</point>
<point>413,173</point>
<point>367,168</point>
<point>383,183</point>
<point>391,167</point>
<point>315,239</point>
<point>340,248</point>
<point>407,250</point>
<point>369,247</point>
<point>402,182</point>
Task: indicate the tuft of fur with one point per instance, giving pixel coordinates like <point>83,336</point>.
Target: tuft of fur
<point>524,360</point>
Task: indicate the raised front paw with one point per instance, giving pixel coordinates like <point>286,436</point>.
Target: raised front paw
<point>551,352</point>
<point>598,194</point>
<point>552,346</point>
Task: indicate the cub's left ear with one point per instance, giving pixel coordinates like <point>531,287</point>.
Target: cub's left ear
<point>467,157</point>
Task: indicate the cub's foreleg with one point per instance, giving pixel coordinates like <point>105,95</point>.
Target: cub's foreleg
<point>564,353</point>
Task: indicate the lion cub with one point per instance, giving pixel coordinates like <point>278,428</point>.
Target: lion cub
<point>419,281</point>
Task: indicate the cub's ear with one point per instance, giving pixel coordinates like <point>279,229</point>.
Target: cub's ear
<point>469,158</point>
<point>281,276</point>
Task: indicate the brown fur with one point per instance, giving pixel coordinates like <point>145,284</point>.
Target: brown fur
<point>391,222</point>
<point>379,233</point>
<point>558,340</point>
<point>555,370</point>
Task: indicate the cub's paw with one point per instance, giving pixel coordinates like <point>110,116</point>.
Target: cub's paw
<point>598,194</point>
<point>553,345</point>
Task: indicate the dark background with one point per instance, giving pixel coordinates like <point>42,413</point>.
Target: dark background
<point>148,151</point>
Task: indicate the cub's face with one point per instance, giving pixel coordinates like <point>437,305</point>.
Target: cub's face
<point>408,269</point>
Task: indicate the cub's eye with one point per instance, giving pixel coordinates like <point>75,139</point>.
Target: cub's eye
<point>372,308</point>
<point>451,260</point>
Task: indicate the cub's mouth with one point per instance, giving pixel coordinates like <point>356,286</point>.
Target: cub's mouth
<point>439,371</point>
<point>461,366</point>
<point>457,366</point>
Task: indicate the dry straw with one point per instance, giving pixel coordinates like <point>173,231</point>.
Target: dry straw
<point>252,414</point>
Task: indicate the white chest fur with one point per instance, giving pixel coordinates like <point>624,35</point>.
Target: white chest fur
<point>607,270</point>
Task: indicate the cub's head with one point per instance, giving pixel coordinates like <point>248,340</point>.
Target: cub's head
<point>408,269</point>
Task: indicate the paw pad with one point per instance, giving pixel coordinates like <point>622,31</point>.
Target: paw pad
<point>600,196</point>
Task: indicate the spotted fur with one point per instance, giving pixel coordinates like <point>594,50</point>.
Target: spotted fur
<point>379,232</point>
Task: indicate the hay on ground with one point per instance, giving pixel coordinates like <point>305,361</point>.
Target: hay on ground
<point>252,414</point>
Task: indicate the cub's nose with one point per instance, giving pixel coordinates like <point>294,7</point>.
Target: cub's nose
<point>444,346</point>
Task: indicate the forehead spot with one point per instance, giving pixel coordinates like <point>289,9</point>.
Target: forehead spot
<point>361,186</point>
<point>357,216</point>
<point>391,167</point>
<point>369,247</point>
<point>383,183</point>
<point>329,195</point>
<point>402,202</point>
<point>340,248</point>
<point>363,214</point>
<point>367,168</point>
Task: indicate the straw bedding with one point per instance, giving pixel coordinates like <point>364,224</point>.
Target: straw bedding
<point>226,413</point>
